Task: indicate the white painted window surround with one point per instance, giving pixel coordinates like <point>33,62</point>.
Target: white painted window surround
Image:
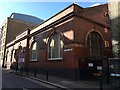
<point>33,52</point>
<point>55,47</point>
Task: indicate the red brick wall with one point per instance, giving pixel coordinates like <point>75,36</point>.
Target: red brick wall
<point>80,28</point>
<point>74,33</point>
<point>68,56</point>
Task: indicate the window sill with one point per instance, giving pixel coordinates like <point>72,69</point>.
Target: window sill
<point>53,59</point>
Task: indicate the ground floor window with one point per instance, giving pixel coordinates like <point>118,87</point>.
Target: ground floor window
<point>55,47</point>
<point>95,44</point>
<point>33,52</point>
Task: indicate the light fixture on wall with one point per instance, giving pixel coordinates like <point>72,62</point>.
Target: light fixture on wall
<point>106,30</point>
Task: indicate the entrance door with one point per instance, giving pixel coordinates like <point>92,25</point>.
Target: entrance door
<point>92,66</point>
<point>93,60</point>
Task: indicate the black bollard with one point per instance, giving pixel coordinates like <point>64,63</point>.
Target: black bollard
<point>47,75</point>
<point>27,72</point>
<point>34,72</point>
<point>21,70</point>
<point>101,84</point>
<point>16,69</point>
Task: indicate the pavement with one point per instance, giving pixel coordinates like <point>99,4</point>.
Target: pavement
<point>66,84</point>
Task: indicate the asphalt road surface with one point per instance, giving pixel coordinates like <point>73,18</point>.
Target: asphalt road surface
<point>11,81</point>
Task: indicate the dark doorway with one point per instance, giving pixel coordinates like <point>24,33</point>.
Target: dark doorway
<point>93,62</point>
<point>92,66</point>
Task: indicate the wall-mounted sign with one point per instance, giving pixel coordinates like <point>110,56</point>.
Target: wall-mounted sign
<point>90,64</point>
<point>99,67</point>
<point>112,66</point>
<point>115,74</point>
<point>70,49</point>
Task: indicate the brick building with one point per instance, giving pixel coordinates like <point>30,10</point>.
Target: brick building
<point>13,26</point>
<point>114,11</point>
<point>74,43</point>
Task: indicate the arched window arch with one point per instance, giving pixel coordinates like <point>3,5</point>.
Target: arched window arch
<point>55,46</point>
<point>95,44</point>
<point>33,52</point>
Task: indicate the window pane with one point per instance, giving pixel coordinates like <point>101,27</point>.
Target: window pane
<point>34,46</point>
<point>55,46</point>
<point>94,44</point>
<point>34,51</point>
<point>56,50</point>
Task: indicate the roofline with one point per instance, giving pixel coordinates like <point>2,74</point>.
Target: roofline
<point>41,30</point>
<point>90,20</point>
<point>25,15</point>
<point>97,6</point>
<point>3,23</point>
<point>58,13</point>
<point>72,14</point>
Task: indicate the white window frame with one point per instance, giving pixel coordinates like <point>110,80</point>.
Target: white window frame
<point>60,51</point>
<point>31,53</point>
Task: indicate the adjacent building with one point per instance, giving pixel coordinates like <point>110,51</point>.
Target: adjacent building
<point>13,26</point>
<point>75,43</point>
<point>114,12</point>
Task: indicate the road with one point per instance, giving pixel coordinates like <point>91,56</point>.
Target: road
<point>14,82</point>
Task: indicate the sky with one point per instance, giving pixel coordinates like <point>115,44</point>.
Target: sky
<point>42,10</point>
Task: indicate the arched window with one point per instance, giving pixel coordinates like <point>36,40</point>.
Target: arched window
<point>55,47</point>
<point>94,44</point>
<point>33,52</point>
<point>21,55</point>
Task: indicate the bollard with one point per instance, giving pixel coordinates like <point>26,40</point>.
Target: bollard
<point>27,72</point>
<point>47,75</point>
<point>16,69</point>
<point>101,84</point>
<point>34,72</point>
<point>22,70</point>
<point>99,76</point>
